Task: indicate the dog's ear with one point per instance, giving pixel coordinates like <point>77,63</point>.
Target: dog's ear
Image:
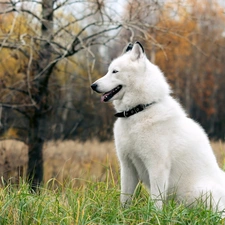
<point>137,51</point>
<point>128,48</point>
<point>137,42</point>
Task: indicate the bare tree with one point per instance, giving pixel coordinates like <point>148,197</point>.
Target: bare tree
<point>52,39</point>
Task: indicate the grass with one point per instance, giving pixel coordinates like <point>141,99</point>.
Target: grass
<point>92,203</point>
<point>85,190</point>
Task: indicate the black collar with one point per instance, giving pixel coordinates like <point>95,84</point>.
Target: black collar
<point>133,111</point>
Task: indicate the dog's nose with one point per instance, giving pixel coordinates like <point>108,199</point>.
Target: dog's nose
<point>94,87</point>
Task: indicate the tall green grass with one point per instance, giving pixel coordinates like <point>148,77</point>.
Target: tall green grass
<point>92,203</point>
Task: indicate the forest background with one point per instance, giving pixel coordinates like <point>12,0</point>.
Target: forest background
<point>52,50</point>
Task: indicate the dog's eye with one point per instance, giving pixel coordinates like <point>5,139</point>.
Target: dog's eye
<point>115,71</point>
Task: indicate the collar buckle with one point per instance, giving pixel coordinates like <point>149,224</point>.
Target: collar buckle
<point>124,114</point>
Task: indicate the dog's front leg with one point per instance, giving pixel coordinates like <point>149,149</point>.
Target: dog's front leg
<point>159,178</point>
<point>129,181</point>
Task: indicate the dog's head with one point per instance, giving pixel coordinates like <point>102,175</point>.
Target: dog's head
<point>118,80</point>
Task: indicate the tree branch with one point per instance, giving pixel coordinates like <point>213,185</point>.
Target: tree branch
<point>18,90</point>
<point>29,12</point>
<point>15,106</point>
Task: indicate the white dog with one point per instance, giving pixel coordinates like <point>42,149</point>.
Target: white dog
<point>156,142</point>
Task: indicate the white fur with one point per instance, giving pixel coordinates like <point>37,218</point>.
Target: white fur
<point>161,146</point>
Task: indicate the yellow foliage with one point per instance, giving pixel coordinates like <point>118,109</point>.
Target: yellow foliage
<point>15,32</point>
<point>10,133</point>
<point>69,24</point>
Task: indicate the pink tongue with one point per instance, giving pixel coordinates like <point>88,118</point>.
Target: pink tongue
<point>105,97</point>
<point>102,98</point>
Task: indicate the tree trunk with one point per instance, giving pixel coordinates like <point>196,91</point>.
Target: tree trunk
<point>37,129</point>
<point>35,145</point>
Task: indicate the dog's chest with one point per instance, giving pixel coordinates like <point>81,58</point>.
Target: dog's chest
<point>130,132</point>
<point>131,140</point>
<point>126,136</point>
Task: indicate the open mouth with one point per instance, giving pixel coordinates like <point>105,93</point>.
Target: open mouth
<point>108,95</point>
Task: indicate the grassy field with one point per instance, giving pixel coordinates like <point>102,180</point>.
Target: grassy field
<point>82,187</point>
<point>92,203</point>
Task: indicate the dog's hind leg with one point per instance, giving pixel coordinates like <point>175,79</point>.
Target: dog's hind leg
<point>218,195</point>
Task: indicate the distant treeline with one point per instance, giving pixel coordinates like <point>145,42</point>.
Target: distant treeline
<point>185,40</point>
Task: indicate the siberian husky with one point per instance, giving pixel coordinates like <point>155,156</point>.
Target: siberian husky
<point>156,142</point>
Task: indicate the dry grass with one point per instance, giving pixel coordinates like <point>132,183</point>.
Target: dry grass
<point>219,150</point>
<point>71,159</point>
<point>13,159</point>
<point>62,160</point>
